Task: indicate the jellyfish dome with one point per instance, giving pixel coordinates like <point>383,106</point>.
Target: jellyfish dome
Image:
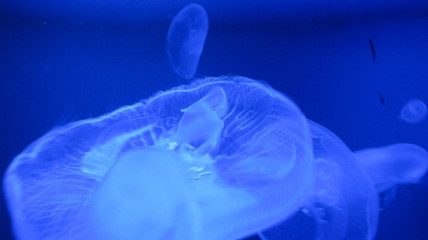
<point>186,38</point>
<point>220,158</point>
<point>414,111</point>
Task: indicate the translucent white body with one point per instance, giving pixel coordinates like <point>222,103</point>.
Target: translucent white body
<point>218,159</point>
<point>414,111</point>
<point>186,39</point>
<point>221,158</point>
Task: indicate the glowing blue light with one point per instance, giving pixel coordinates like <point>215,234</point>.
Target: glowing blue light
<point>186,38</point>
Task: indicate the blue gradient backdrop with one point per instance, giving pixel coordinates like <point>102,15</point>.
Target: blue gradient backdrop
<point>78,59</point>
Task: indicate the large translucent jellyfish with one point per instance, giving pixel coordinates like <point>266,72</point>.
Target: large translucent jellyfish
<point>186,38</point>
<point>221,158</point>
<point>414,111</point>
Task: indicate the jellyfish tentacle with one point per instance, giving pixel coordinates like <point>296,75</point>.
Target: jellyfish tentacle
<point>121,208</point>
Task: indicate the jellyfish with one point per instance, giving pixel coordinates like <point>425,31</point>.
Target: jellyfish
<point>344,201</point>
<point>186,38</point>
<point>414,111</point>
<point>220,158</point>
<point>394,164</point>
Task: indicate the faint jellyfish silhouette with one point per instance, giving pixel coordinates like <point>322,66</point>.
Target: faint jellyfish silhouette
<point>204,161</point>
<point>414,111</point>
<point>186,38</point>
<point>394,164</point>
<point>344,204</point>
<point>390,166</point>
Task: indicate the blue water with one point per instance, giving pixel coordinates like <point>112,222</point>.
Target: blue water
<point>350,71</point>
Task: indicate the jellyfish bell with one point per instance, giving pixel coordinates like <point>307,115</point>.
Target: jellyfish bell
<point>414,111</point>
<point>186,39</point>
<point>220,158</point>
<point>394,164</point>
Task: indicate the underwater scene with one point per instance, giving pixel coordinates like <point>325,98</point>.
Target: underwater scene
<point>214,120</point>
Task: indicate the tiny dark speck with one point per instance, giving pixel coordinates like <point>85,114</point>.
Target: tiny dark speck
<point>372,49</point>
<point>381,99</point>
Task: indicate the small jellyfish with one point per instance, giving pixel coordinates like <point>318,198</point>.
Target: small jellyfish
<point>186,38</point>
<point>414,111</point>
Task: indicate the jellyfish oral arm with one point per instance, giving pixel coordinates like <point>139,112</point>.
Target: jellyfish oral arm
<point>201,124</point>
<point>143,195</point>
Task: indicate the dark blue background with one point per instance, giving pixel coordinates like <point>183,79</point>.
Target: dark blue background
<point>62,61</point>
